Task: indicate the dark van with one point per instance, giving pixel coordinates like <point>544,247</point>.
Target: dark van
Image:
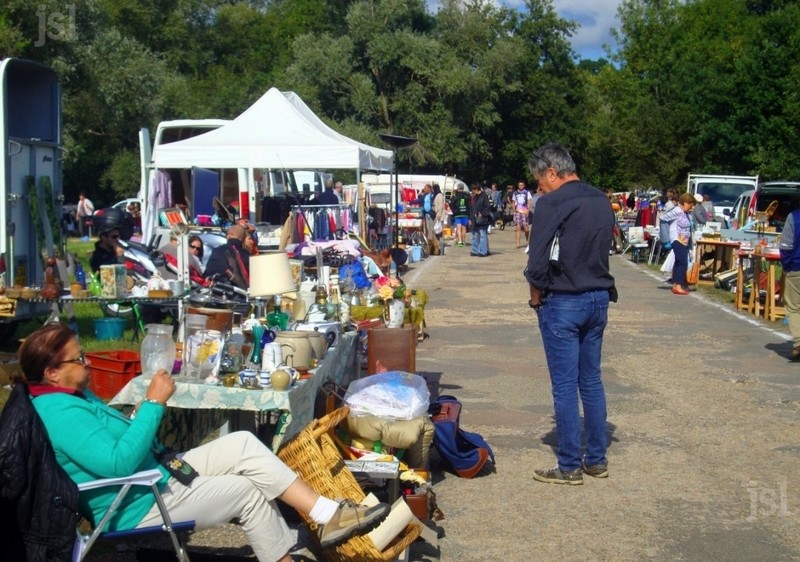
<point>785,193</point>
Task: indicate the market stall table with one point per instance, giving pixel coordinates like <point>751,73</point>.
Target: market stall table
<point>413,314</point>
<point>128,300</point>
<point>196,409</point>
<point>750,269</point>
<point>722,251</point>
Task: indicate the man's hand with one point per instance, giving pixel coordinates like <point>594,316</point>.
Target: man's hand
<point>536,296</point>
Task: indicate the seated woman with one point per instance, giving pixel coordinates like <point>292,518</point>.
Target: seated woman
<point>239,477</point>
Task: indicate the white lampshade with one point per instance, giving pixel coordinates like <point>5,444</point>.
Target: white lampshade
<point>270,275</point>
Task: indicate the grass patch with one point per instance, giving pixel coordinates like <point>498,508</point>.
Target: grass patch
<point>85,314</point>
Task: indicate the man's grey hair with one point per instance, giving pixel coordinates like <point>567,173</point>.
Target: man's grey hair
<point>551,155</point>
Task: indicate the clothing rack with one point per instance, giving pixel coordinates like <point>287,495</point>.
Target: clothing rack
<point>324,230</point>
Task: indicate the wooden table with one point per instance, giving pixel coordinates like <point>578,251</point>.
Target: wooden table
<point>722,261</point>
<point>750,267</point>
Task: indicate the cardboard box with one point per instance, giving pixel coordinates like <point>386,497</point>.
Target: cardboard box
<point>113,282</point>
<point>8,367</point>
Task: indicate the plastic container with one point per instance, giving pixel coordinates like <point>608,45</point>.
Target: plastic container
<point>106,383</point>
<point>158,349</point>
<point>415,253</point>
<point>80,275</point>
<point>118,361</point>
<point>109,328</point>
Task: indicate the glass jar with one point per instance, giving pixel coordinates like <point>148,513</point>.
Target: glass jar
<point>158,349</point>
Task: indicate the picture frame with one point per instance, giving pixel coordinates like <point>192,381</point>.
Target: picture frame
<point>298,271</point>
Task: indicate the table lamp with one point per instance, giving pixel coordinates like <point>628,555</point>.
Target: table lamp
<point>271,276</point>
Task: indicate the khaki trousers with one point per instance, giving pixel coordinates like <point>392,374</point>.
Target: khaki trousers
<point>791,298</point>
<point>239,478</point>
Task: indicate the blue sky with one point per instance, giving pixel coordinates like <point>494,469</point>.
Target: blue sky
<point>596,17</point>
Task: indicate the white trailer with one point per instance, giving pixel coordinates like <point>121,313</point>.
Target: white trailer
<point>30,181</point>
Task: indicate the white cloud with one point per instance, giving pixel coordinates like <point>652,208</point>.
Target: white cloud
<point>596,18</point>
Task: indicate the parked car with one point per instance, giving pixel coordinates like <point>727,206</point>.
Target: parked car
<point>785,193</point>
<point>123,205</point>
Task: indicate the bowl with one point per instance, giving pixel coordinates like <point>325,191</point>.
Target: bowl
<point>159,294</point>
<point>29,293</point>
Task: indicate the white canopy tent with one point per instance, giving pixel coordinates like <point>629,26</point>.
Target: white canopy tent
<point>279,131</point>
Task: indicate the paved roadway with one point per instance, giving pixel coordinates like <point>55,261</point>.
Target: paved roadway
<point>703,409</point>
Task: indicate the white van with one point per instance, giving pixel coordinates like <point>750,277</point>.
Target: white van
<point>721,190</point>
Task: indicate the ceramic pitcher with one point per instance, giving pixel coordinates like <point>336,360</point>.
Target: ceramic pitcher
<point>394,313</point>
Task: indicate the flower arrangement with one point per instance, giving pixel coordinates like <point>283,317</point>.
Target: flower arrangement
<point>391,288</point>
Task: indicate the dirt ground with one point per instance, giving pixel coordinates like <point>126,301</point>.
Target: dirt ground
<point>703,425</point>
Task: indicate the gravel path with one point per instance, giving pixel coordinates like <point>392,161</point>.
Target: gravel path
<point>703,410</point>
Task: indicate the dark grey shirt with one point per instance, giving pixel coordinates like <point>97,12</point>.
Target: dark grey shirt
<point>585,221</point>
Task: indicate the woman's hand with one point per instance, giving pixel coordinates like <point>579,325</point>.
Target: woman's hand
<point>162,387</point>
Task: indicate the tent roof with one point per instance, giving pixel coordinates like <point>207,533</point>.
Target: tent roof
<point>277,131</point>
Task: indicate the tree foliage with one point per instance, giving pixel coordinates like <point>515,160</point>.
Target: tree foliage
<point>698,85</point>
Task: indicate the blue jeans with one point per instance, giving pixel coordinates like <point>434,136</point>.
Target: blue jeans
<point>572,328</point>
<point>480,239</point>
<point>681,264</point>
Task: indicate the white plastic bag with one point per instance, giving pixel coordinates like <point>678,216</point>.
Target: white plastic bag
<point>669,262</point>
<point>394,395</point>
<point>437,227</point>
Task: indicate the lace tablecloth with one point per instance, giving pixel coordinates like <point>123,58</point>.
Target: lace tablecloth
<point>195,410</point>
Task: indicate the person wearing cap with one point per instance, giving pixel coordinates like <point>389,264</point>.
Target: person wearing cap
<point>107,250</point>
<point>231,261</point>
<point>699,213</point>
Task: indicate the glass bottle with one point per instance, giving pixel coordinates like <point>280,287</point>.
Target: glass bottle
<point>158,349</point>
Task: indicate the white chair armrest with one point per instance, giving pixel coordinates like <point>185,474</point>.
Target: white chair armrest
<point>143,478</point>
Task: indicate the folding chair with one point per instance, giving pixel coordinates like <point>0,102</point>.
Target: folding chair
<point>636,243</point>
<point>84,542</point>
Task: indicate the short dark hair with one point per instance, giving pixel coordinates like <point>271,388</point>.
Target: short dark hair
<point>42,350</point>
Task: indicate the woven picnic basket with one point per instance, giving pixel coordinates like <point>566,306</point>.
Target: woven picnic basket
<point>313,455</point>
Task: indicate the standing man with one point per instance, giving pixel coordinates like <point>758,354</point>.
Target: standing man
<point>790,287</point>
<point>84,211</point>
<point>479,216</point>
<point>328,197</point>
<point>570,293</point>
<point>522,201</point>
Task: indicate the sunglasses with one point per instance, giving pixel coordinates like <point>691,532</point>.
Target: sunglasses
<point>80,359</point>
<point>112,236</point>
<point>198,248</point>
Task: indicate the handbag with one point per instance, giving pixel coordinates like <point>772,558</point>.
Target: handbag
<point>693,273</point>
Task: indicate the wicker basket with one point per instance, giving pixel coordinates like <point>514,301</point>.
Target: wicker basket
<point>315,458</point>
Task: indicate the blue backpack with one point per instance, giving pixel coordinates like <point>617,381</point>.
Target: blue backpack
<point>465,452</point>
